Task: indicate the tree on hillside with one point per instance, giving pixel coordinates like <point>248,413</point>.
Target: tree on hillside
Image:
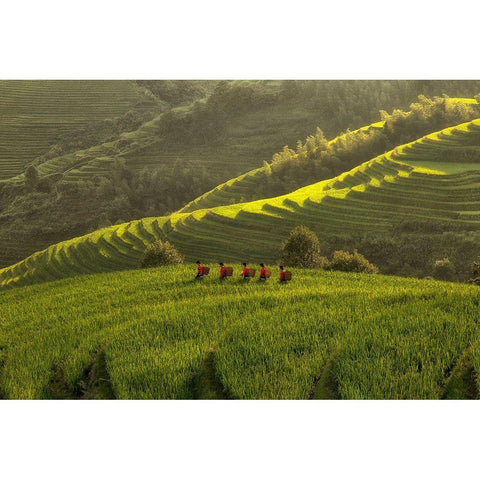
<point>475,272</point>
<point>160,253</point>
<point>31,179</point>
<point>302,249</point>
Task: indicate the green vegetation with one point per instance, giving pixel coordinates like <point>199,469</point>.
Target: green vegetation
<point>380,196</point>
<point>350,262</point>
<point>160,253</point>
<point>180,139</point>
<point>301,249</point>
<point>156,333</point>
<point>35,112</point>
<point>403,191</point>
<point>444,269</point>
<point>316,159</point>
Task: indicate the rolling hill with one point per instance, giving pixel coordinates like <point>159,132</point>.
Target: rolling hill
<point>80,190</point>
<point>34,112</point>
<point>158,334</point>
<point>251,185</point>
<point>159,166</point>
<point>433,179</point>
<point>250,137</point>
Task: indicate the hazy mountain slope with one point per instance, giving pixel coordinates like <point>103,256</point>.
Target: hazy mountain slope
<point>315,160</point>
<point>34,112</point>
<point>373,197</point>
<point>160,166</point>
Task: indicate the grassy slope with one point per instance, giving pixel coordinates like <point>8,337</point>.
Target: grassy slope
<point>370,198</point>
<point>249,139</point>
<point>245,185</point>
<point>158,334</point>
<point>34,112</point>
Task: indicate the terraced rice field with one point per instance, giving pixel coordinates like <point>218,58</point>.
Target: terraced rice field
<point>34,112</point>
<point>370,198</point>
<point>244,187</point>
<point>159,334</point>
<point>248,140</point>
<point>246,184</point>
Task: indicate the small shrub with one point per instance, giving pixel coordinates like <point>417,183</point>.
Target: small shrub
<point>475,273</point>
<point>160,253</point>
<point>475,269</point>
<point>444,269</point>
<point>323,263</point>
<point>351,262</point>
<point>302,249</point>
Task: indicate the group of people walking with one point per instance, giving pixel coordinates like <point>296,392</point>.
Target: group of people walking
<point>247,273</point>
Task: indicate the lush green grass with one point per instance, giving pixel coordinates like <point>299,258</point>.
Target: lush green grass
<point>373,197</point>
<point>163,335</point>
<point>34,112</point>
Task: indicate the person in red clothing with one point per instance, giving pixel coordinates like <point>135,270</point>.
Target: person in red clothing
<point>263,273</point>
<point>244,273</point>
<point>223,271</point>
<point>199,275</point>
<point>282,274</point>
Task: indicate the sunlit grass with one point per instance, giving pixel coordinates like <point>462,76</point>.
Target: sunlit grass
<point>391,337</point>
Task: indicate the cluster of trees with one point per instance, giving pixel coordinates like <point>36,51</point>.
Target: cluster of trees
<point>126,194</point>
<point>475,272</point>
<point>47,205</point>
<point>414,254</point>
<point>444,257</point>
<point>51,211</point>
<point>206,121</point>
<point>160,253</point>
<point>354,102</point>
<point>337,104</point>
<point>315,159</point>
<point>302,249</point>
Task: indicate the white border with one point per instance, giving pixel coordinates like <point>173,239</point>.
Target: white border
<point>239,440</point>
<point>248,39</point>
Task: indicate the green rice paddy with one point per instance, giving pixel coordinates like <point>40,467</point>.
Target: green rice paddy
<point>159,334</point>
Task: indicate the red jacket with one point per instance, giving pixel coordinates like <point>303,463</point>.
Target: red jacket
<point>200,270</point>
<point>282,274</point>
<point>223,272</point>
<point>245,272</point>
<point>263,272</point>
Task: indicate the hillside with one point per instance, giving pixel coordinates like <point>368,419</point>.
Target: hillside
<point>158,334</point>
<point>316,160</point>
<point>155,167</point>
<point>376,197</point>
<point>33,113</point>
